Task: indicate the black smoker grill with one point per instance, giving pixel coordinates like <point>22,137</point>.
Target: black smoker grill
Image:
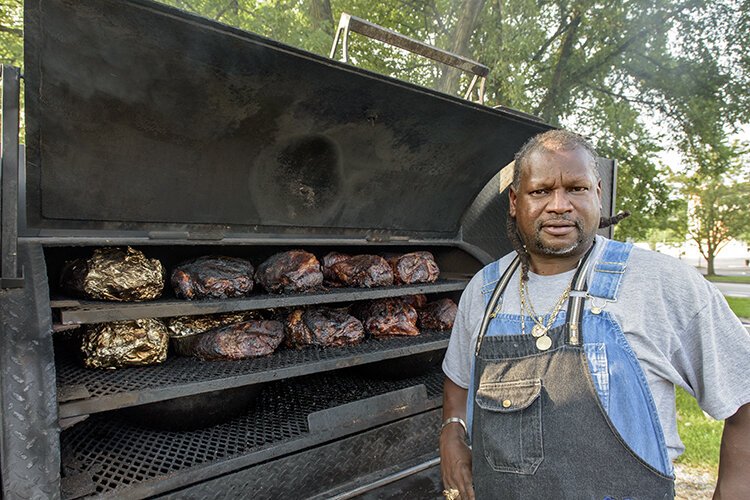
<point>182,137</point>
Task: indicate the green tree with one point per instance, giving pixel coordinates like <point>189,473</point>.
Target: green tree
<point>11,32</point>
<point>717,194</point>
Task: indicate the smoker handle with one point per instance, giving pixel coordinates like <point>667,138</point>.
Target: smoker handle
<point>371,411</point>
<point>349,23</point>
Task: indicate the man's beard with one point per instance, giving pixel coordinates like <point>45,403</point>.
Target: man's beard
<point>580,241</point>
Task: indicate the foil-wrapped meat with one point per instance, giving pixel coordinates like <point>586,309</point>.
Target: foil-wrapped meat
<point>184,326</point>
<point>414,267</point>
<point>213,277</point>
<point>125,343</point>
<point>249,339</point>
<point>438,315</point>
<point>391,317</point>
<point>120,274</point>
<point>322,327</point>
<point>358,271</point>
<point>291,271</point>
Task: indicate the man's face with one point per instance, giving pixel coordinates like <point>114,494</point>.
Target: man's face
<point>558,203</point>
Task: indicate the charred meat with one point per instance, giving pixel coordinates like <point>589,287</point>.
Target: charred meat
<point>213,277</point>
<point>391,317</point>
<point>417,301</point>
<point>358,271</point>
<point>292,271</point>
<point>323,327</point>
<point>414,267</point>
<point>438,315</point>
<point>249,339</point>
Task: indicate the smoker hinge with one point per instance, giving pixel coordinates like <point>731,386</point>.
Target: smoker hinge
<point>373,237</point>
<point>12,274</point>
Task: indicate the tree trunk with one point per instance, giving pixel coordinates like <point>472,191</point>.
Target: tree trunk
<point>321,16</point>
<point>469,9</point>
<point>559,86</point>
<point>710,265</point>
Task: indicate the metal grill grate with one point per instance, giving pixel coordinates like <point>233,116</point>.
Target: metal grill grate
<point>81,311</point>
<point>118,455</point>
<point>181,376</point>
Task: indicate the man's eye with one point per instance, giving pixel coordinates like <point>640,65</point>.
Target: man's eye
<point>539,192</point>
<point>579,189</point>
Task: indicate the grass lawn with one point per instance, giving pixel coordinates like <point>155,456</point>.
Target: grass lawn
<point>728,279</point>
<point>740,306</point>
<point>700,434</point>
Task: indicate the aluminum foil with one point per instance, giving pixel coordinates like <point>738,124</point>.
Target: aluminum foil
<point>120,274</point>
<point>125,343</point>
<point>183,326</point>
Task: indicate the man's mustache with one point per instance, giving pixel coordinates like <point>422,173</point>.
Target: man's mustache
<point>578,223</point>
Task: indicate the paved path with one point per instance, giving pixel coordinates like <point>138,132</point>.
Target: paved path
<point>734,289</point>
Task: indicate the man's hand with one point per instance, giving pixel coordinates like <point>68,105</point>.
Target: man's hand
<point>455,461</point>
<point>455,455</point>
<point>734,460</point>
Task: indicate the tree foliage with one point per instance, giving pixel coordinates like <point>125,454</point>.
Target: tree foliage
<point>717,192</point>
<point>11,32</point>
<point>634,75</point>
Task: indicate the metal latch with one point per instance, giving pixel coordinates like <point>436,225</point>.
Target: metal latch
<point>12,275</point>
<point>349,23</point>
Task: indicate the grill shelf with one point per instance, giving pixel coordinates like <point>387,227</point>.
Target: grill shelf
<point>82,312</point>
<point>84,391</point>
<point>107,455</point>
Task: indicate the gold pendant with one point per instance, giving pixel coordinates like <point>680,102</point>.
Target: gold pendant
<point>538,331</point>
<point>543,343</point>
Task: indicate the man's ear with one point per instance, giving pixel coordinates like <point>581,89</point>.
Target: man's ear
<point>599,192</point>
<point>512,197</point>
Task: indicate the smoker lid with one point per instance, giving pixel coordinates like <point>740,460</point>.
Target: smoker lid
<point>142,117</point>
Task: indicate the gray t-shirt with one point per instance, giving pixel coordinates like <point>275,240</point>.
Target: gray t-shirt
<point>678,324</point>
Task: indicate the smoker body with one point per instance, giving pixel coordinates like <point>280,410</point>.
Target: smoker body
<point>182,137</point>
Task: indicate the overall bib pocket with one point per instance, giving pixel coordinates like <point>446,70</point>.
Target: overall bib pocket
<point>510,417</point>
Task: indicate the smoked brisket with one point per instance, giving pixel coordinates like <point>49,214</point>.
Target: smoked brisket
<point>322,327</point>
<point>390,317</point>
<point>249,339</point>
<point>438,315</point>
<point>357,271</point>
<point>414,267</point>
<point>213,277</point>
<point>292,271</point>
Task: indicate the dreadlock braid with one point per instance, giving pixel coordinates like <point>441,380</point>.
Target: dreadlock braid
<point>611,221</point>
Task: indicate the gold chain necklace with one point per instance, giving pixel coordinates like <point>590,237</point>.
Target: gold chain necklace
<point>539,331</point>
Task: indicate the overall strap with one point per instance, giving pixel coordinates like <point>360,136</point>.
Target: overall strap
<point>607,273</point>
<point>577,296</point>
<point>609,269</point>
<point>496,294</point>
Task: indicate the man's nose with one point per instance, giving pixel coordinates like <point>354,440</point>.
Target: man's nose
<point>560,202</point>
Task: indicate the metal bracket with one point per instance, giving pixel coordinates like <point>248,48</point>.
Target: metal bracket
<point>349,23</point>
<point>12,275</point>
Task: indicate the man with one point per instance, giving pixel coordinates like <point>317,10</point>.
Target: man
<point>565,388</point>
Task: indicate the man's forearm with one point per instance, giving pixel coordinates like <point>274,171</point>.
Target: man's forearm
<point>734,460</point>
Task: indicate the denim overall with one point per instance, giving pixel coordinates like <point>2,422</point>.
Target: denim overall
<point>574,421</point>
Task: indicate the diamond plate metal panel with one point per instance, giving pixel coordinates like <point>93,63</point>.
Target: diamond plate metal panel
<point>306,474</point>
<point>29,454</point>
